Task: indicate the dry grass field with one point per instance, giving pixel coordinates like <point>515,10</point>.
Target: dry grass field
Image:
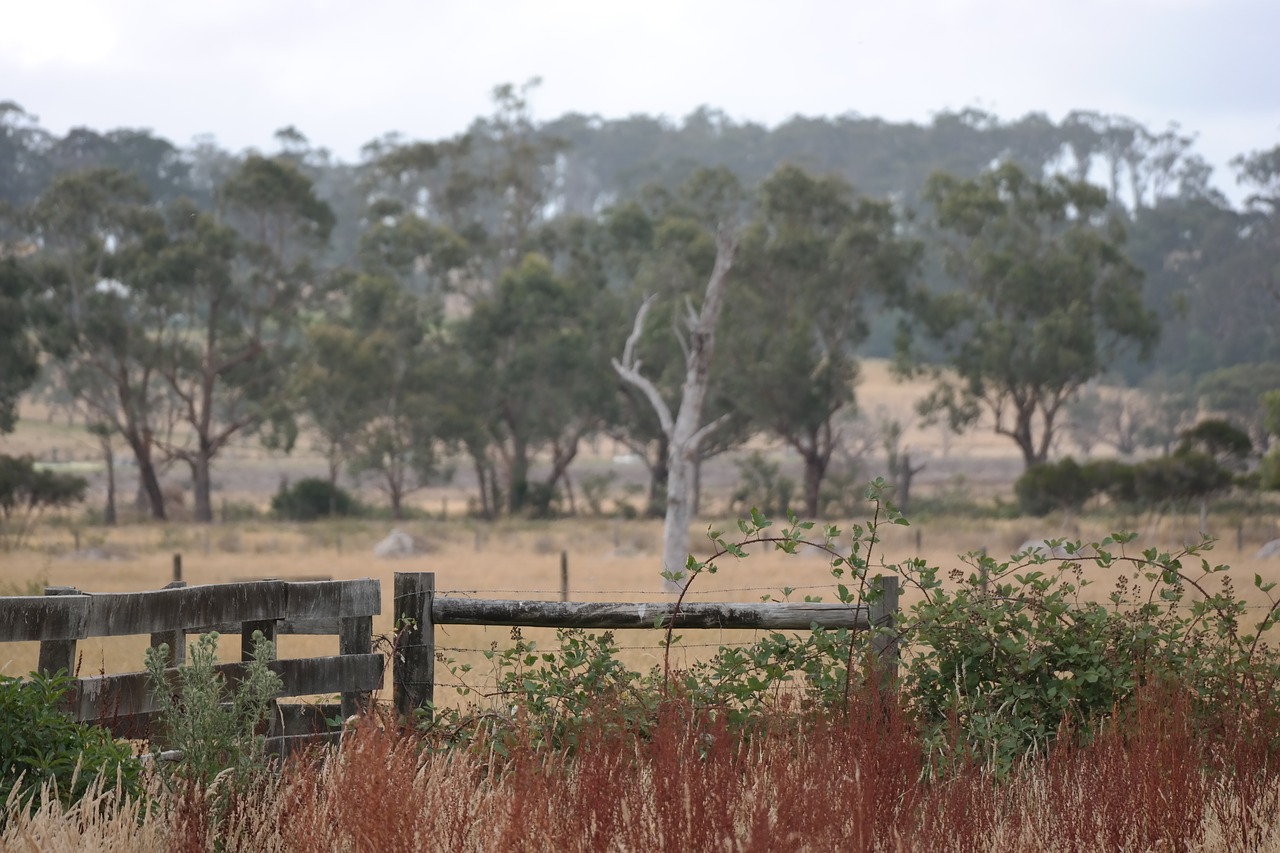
<point>826,790</point>
<point>608,559</point>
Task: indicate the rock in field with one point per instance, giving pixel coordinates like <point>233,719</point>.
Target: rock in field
<point>398,544</point>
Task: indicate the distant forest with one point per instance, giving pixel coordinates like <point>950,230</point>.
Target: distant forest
<point>1211,282</point>
<point>462,298</point>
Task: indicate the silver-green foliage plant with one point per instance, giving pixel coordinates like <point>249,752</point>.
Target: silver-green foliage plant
<point>213,724</point>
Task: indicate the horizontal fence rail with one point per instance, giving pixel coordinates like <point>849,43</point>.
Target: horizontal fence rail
<point>418,610</point>
<point>782,616</point>
<point>124,703</point>
<point>103,697</point>
<point>69,614</point>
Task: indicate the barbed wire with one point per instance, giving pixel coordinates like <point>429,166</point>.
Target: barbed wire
<point>469,594</point>
<point>557,592</point>
<point>788,686</point>
<point>647,647</point>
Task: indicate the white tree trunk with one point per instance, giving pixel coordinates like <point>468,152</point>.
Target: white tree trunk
<point>685,430</point>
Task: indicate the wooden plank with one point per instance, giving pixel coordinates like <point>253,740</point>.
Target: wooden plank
<point>334,599</point>
<point>415,652</point>
<point>175,640</point>
<point>75,617</point>
<point>781,616</point>
<point>154,612</point>
<point>58,655</point>
<point>130,693</point>
<point>355,637</point>
<point>283,626</point>
<point>25,618</point>
<point>289,718</point>
<point>313,606</point>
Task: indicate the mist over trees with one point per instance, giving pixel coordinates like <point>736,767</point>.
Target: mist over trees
<point>459,301</point>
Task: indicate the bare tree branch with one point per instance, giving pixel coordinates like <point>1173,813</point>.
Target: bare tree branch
<point>629,370</point>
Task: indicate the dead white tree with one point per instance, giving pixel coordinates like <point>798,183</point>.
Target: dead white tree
<point>684,430</point>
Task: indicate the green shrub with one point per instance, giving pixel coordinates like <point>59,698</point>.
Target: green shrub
<point>41,743</point>
<point>26,491</point>
<point>1049,486</point>
<point>761,484</point>
<point>1269,470</point>
<point>1112,478</point>
<point>1183,476</point>
<point>213,724</point>
<point>1005,657</point>
<point>541,500</point>
<point>312,498</point>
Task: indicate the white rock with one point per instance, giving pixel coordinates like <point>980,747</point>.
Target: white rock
<point>397,544</point>
<point>1271,549</point>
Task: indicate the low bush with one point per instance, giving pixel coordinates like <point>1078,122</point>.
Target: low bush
<point>1004,656</point>
<point>214,725</point>
<point>312,498</point>
<point>1051,486</point>
<point>40,744</point>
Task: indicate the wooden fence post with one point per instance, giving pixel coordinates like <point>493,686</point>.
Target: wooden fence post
<point>564,575</point>
<point>176,640</point>
<point>355,637</point>
<point>58,654</point>
<point>415,658</point>
<point>883,615</point>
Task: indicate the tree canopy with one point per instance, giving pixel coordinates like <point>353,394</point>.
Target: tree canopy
<point>1046,301</point>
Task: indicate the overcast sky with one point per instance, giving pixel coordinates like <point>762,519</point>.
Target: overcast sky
<point>347,72</point>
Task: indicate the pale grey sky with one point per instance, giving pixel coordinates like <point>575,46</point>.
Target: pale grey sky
<point>347,72</point>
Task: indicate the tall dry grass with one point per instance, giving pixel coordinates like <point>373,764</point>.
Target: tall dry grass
<point>1156,777</point>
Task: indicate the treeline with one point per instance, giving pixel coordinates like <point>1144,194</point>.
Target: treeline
<point>461,301</point>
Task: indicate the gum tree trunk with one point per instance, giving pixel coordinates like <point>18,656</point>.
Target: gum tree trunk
<point>684,430</point>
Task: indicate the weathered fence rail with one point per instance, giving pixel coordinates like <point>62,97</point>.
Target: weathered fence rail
<point>64,616</point>
<point>419,610</point>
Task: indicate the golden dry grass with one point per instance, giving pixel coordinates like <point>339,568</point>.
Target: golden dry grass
<point>608,561</point>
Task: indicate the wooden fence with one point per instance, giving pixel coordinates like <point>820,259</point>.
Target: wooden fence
<point>124,702</point>
<point>419,609</point>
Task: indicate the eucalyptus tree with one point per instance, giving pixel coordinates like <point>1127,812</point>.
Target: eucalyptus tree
<point>1046,300</point>
<point>664,248</point>
<point>1260,171</point>
<point>96,232</point>
<point>233,286</point>
<point>19,345</point>
<point>24,157</point>
<point>814,264</point>
<point>683,424</point>
<point>395,379</point>
<point>493,186</point>
<point>536,368</point>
